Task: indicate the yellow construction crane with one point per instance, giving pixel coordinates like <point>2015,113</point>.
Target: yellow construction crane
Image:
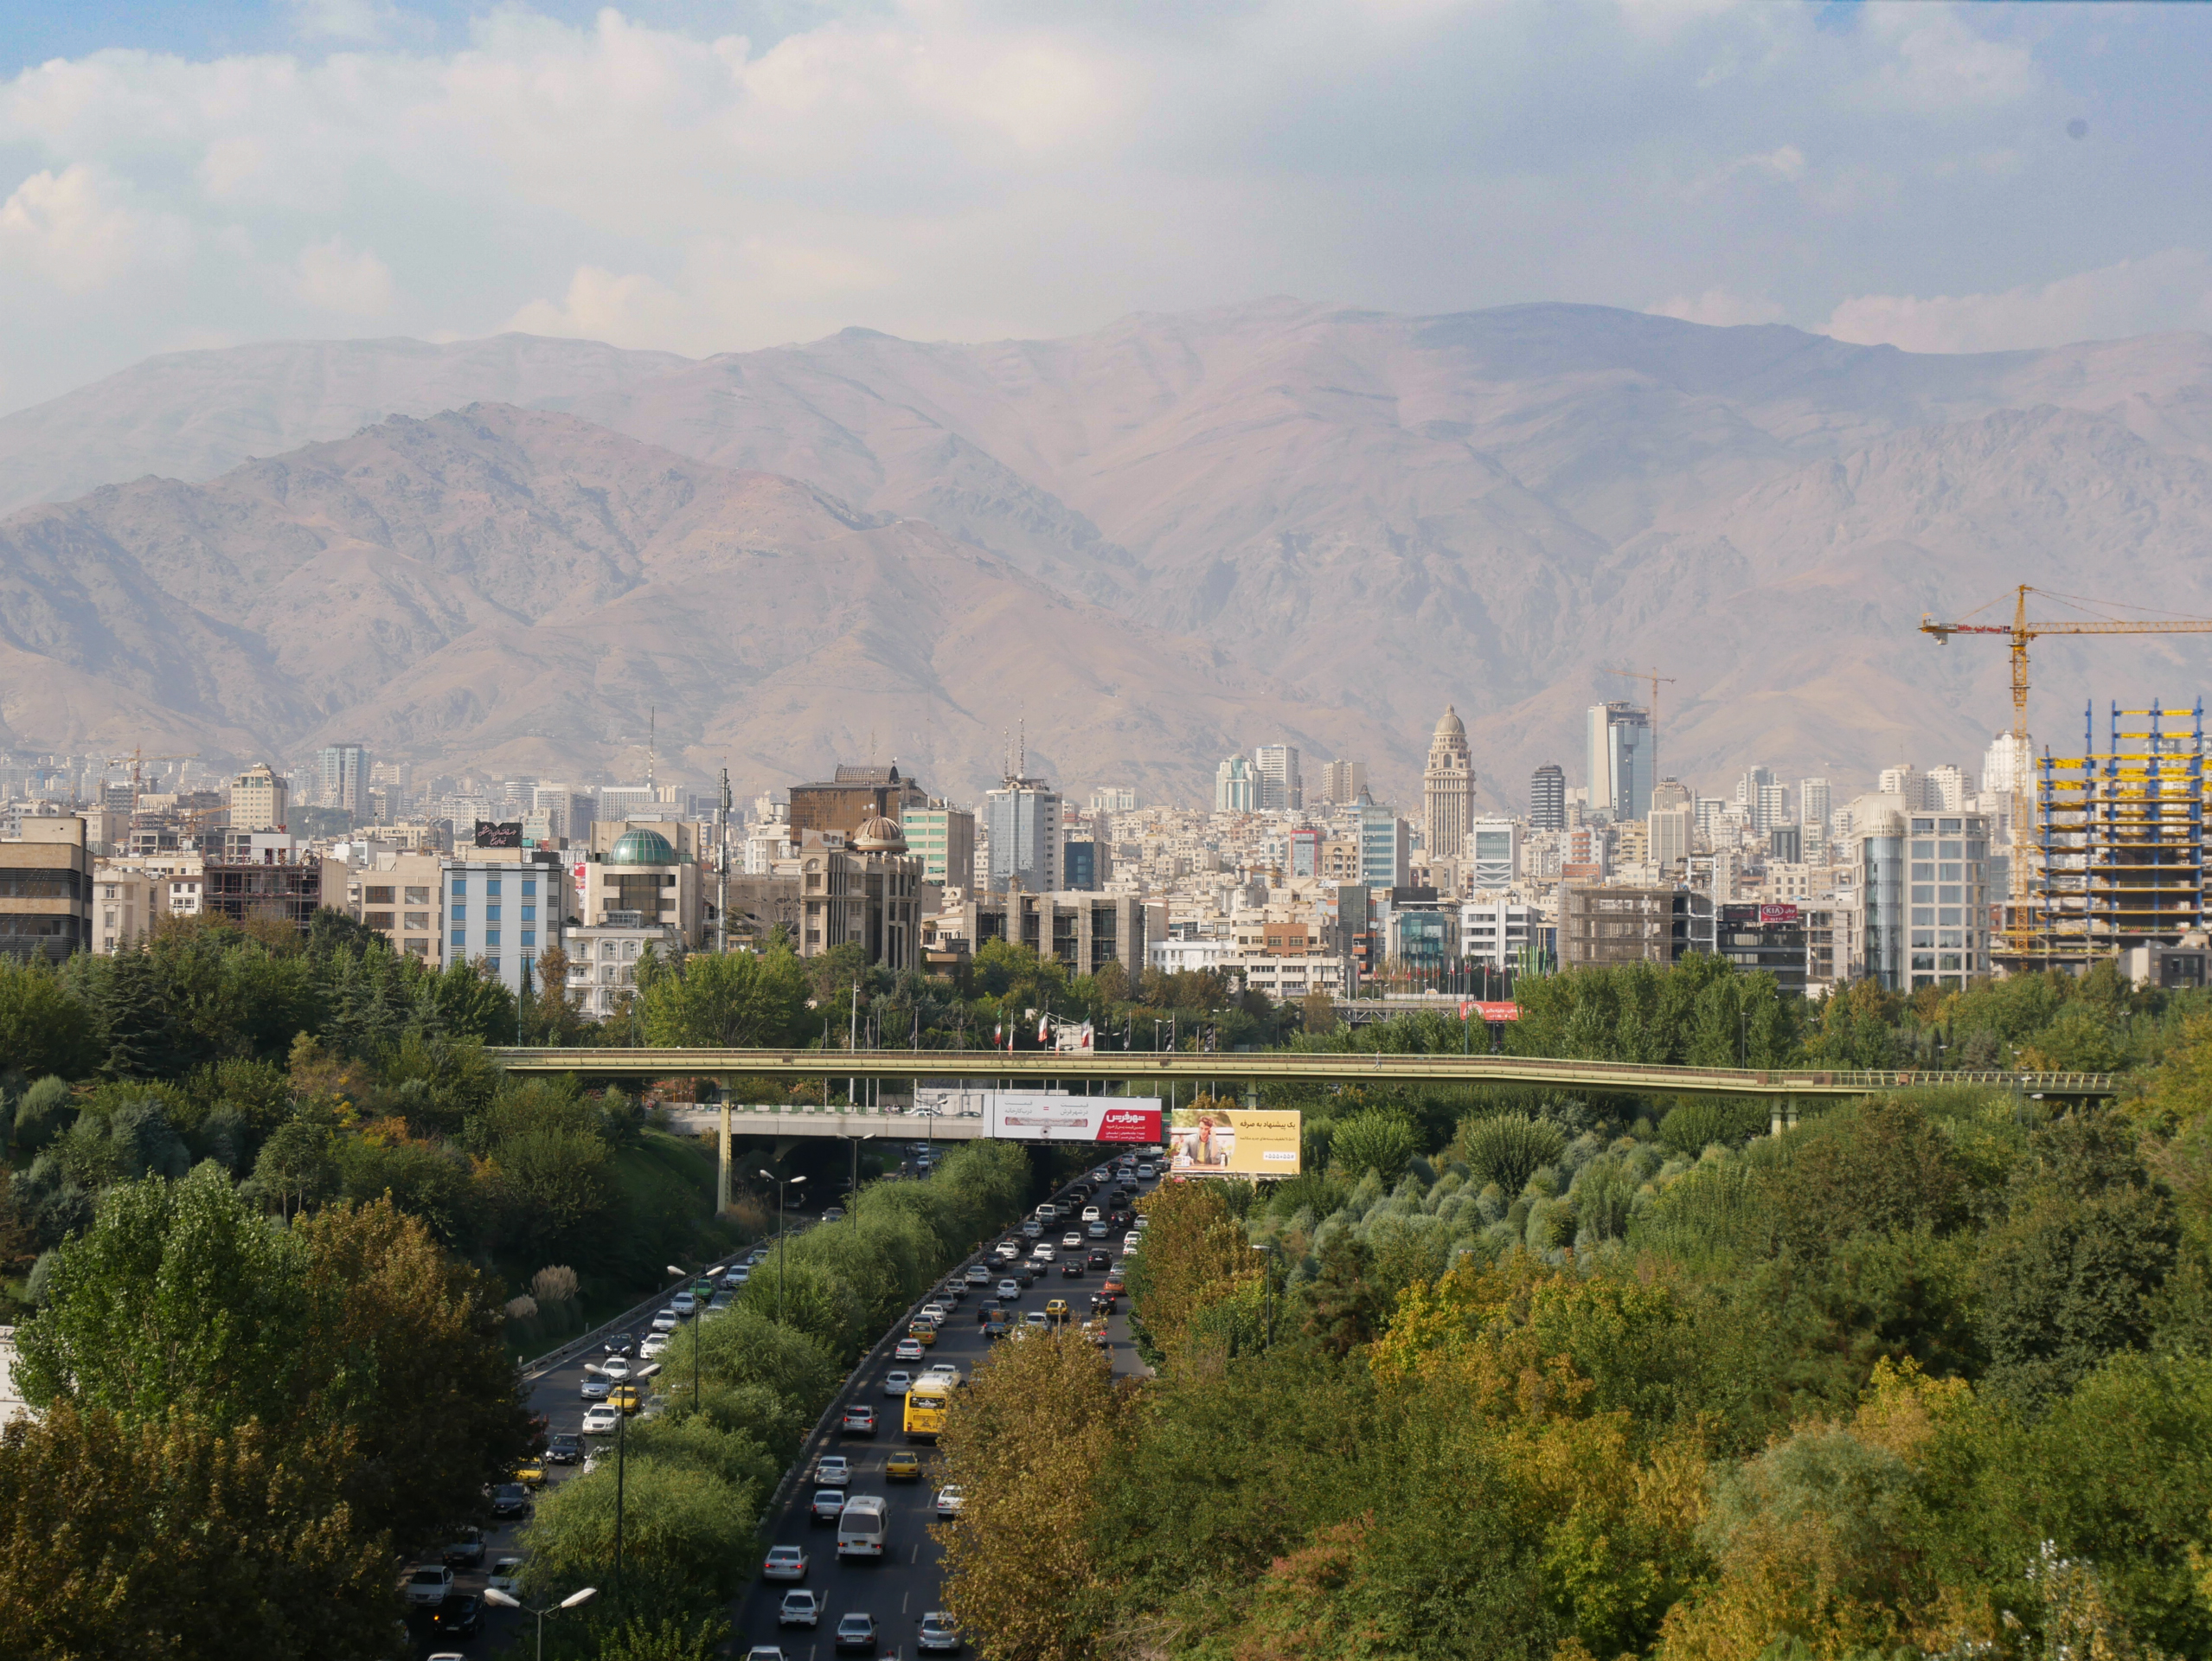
<point>136,762</point>
<point>1656,679</point>
<point>2020,927</point>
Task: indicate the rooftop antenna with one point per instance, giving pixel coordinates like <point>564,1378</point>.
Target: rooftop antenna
<point>653,718</point>
<point>1022,728</point>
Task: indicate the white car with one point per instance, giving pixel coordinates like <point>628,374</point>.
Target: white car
<point>1047,1214</point>
<point>906,1350</point>
<point>784,1563</point>
<point>1010,1290</point>
<point>942,1372</point>
<point>935,1313</point>
<point>666,1320</point>
<point>799,1608</point>
<point>428,1585</point>
<point>655,1344</point>
<point>1100,1175</point>
<point>616,1368</point>
<point>1129,1240</point>
<point>833,1471</point>
<point>949,1501</point>
<point>1092,1214</point>
<point>1071,1241</point>
<point>977,1275</point>
<point>506,1576</point>
<point>601,1420</point>
<point>1042,1252</point>
<point>1032,1229</point>
<point>595,1388</point>
<point>1144,1173</point>
<point>684,1303</point>
<point>940,1634</point>
<point>896,1384</point>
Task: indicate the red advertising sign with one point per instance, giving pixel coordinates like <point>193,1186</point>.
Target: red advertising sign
<point>1479,1010</point>
<point>1778,913</point>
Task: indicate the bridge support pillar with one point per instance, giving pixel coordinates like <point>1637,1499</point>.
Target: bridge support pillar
<point>1252,1094</point>
<point>1793,1113</point>
<point>1774,1119</point>
<point>721,1155</point>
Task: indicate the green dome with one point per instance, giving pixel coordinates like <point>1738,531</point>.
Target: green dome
<point>641,848</point>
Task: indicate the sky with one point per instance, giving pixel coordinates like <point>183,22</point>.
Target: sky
<point>703,177</point>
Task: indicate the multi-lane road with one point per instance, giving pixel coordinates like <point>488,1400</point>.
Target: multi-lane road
<point>906,1582</point>
<point>900,1588</point>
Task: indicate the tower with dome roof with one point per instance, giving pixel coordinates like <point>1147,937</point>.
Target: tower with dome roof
<point>1447,788</point>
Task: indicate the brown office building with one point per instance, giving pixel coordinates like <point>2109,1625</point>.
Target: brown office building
<point>1612,926</point>
<point>854,797</point>
<point>46,890</point>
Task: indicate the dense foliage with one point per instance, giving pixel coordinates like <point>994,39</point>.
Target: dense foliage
<point>1929,1374</point>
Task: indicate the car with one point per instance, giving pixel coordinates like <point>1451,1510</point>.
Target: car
<point>684,1303</point>
<point>1144,1172</point>
<point>940,1634</point>
<point>906,1350</point>
<point>1121,1219</point>
<point>905,1465</point>
<point>1103,1304</point>
<point>506,1576</point>
<point>1072,1269</point>
<point>1071,1241</point>
<point>626,1398</point>
<point>600,1421</point>
<point>784,1563</point>
<point>1032,1230</point>
<point>764,1652</point>
<point>827,1505</point>
<point>459,1616</point>
<point>1095,1230</point>
<point>1008,1289</point>
<point>857,1631</point>
<point>860,1420</point>
<point>833,1471</point>
<point>1035,1317</point>
<point>464,1549</point>
<point>530,1473</point>
<point>943,1372</point>
<point>949,1501</point>
<point>936,1314</point>
<point>1047,1213</point>
<point>620,1344</point>
<point>922,1332</point>
<point>833,1214</point>
<point>595,1390</point>
<point>429,1585</point>
<point>1101,1175</point>
<point>1026,1276</point>
<point>666,1320</point>
<point>616,1368</point>
<point>896,1384</point>
<point>721,1301</point>
<point>799,1608</point>
<point>510,1499</point>
<point>1006,1251</point>
<point>1129,1240</point>
<point>1056,1309</point>
<point>1091,1214</point>
<point>977,1275</point>
<point>1098,1260</point>
<point>655,1344</point>
<point>1042,1252</point>
<point>565,1448</point>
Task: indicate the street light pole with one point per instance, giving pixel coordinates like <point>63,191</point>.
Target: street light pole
<point>852,1197</point>
<point>698,1320</point>
<point>492,1594</point>
<point>782,1256</point>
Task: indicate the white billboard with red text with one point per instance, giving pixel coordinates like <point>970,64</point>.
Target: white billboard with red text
<point>1037,1116</point>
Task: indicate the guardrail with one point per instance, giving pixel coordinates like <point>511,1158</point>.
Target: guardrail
<point>1259,1067</point>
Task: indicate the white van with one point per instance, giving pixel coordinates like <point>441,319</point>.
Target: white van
<point>860,1527</point>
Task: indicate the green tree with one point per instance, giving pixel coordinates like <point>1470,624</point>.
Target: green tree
<point>297,1167</point>
<point>43,1027</point>
<point>685,1532</point>
<point>1506,1149</point>
<point>1379,1141</point>
<point>728,1000</point>
<point>558,1189</point>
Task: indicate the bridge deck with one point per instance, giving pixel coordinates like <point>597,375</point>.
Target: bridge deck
<point>1031,1069</point>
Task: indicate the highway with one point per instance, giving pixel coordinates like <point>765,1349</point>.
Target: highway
<point>902,1585</point>
<point>898,1589</point>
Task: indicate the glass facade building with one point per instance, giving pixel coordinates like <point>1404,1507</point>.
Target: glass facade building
<point>1925,878</point>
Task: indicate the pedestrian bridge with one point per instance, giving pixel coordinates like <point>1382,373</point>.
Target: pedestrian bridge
<point>1153,1072</point>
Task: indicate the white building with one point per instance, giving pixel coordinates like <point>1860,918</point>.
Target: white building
<point>1670,836</point>
<point>1494,929</point>
<point>603,960</point>
<point>501,913</point>
<point>1493,854</point>
<point>1020,829</point>
<point>1235,790</point>
<point>1280,787</point>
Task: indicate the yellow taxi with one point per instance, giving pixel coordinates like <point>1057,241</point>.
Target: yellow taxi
<point>905,1465</point>
<point>923,1332</point>
<point>1056,1309</point>
<point>531,1474</point>
<point>625,1399</point>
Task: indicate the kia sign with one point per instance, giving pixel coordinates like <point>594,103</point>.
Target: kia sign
<point>1474,1009</point>
<point>1037,1116</point>
<point>1778,913</point>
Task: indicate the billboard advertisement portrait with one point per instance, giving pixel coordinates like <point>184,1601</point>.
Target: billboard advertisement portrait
<point>1037,1116</point>
<point>1234,1142</point>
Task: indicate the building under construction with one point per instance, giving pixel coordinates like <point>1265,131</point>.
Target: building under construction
<point>2120,839</point>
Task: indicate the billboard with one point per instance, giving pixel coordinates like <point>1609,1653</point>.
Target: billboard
<point>1234,1142</point>
<point>1778,913</point>
<point>1477,1008</point>
<point>501,833</point>
<point>1039,1116</point>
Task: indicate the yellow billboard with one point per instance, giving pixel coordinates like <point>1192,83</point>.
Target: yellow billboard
<point>1234,1141</point>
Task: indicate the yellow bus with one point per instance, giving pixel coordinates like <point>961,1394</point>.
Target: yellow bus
<point>926,1405</point>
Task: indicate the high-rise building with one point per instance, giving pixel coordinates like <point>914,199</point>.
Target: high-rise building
<point>1385,849</point>
<point>1748,786</point>
<point>850,797</point>
<point>342,777</point>
<point>1670,833</point>
<point>1447,787</point>
<point>1343,781</point>
<point>1279,788</point>
<point>260,799</point>
<point>2006,760</point>
<point>1948,789</point>
<point>1772,807</point>
<point>943,837</point>
<point>1815,803</point>
<point>1235,790</point>
<point>1670,793</point>
<point>1022,829</point>
<point>1622,760</point>
<point>1904,782</point>
<point>1493,853</point>
<point>567,811</point>
<point>1113,799</point>
<point>1548,798</point>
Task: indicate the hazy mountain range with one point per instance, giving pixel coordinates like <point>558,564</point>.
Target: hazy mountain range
<point>1153,544</point>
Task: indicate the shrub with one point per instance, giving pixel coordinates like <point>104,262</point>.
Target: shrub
<point>1508,1149</point>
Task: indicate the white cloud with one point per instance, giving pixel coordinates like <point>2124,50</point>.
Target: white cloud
<point>72,229</point>
<point>2167,291</point>
<point>1720,308</point>
<point>1940,65</point>
<point>331,277</point>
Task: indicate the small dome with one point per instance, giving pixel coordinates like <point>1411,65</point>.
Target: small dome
<point>641,848</point>
<point>879,836</point>
<point>1450,725</point>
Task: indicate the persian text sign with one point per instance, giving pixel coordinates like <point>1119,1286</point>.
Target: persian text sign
<point>1037,1116</point>
<point>1234,1142</point>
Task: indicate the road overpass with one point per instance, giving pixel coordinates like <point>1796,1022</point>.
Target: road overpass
<point>1151,1071</point>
